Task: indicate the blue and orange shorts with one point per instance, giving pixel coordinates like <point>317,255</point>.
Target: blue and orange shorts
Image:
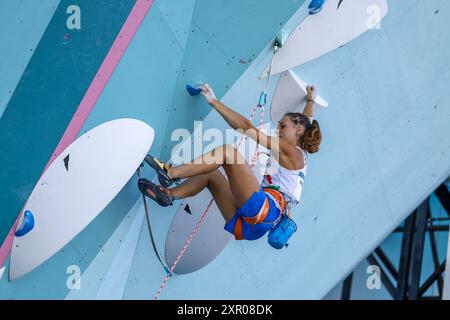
<point>254,218</point>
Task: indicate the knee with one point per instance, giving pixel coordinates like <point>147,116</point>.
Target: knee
<point>227,154</point>
<point>212,176</point>
<point>214,180</point>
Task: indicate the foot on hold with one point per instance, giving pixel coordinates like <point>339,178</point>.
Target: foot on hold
<point>157,193</point>
<point>161,171</point>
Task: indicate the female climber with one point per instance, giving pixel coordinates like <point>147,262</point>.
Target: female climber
<point>249,209</point>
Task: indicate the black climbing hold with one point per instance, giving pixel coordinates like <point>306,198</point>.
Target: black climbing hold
<point>187,209</point>
<point>66,162</point>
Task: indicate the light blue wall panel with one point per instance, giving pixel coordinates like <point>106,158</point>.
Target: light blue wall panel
<point>178,15</point>
<point>224,37</point>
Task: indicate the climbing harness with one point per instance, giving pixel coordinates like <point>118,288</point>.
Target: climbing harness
<point>261,105</point>
<point>283,227</point>
<point>149,227</point>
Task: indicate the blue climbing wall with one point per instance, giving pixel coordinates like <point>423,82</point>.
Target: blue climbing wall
<point>385,148</point>
<point>170,48</point>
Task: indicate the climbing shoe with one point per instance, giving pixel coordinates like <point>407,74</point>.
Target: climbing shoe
<point>161,171</point>
<point>157,193</point>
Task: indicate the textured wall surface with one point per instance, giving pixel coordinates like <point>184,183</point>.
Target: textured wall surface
<point>51,88</point>
<point>143,86</point>
<point>385,148</point>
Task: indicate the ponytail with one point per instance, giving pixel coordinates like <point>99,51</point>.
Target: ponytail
<point>312,138</point>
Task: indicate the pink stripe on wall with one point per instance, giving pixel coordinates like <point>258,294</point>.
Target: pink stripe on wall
<point>94,91</point>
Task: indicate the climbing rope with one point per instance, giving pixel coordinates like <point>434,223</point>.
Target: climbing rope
<point>166,268</point>
<point>186,245</point>
<point>199,223</point>
<point>261,104</point>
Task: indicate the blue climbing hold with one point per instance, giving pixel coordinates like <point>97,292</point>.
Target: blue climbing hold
<point>27,224</point>
<point>193,91</point>
<point>316,6</point>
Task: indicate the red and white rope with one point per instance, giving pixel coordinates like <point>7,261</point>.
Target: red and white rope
<point>197,227</point>
<point>186,245</point>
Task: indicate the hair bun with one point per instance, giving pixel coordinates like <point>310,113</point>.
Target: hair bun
<point>312,138</point>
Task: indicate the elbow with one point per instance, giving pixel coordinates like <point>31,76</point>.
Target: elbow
<point>247,125</point>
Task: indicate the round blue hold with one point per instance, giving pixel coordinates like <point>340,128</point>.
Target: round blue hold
<point>27,225</point>
<point>315,6</point>
<point>193,91</point>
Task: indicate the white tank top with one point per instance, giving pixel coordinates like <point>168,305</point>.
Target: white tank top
<point>290,181</point>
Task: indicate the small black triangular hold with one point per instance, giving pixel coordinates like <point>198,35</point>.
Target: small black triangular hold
<point>66,162</point>
<point>187,209</point>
